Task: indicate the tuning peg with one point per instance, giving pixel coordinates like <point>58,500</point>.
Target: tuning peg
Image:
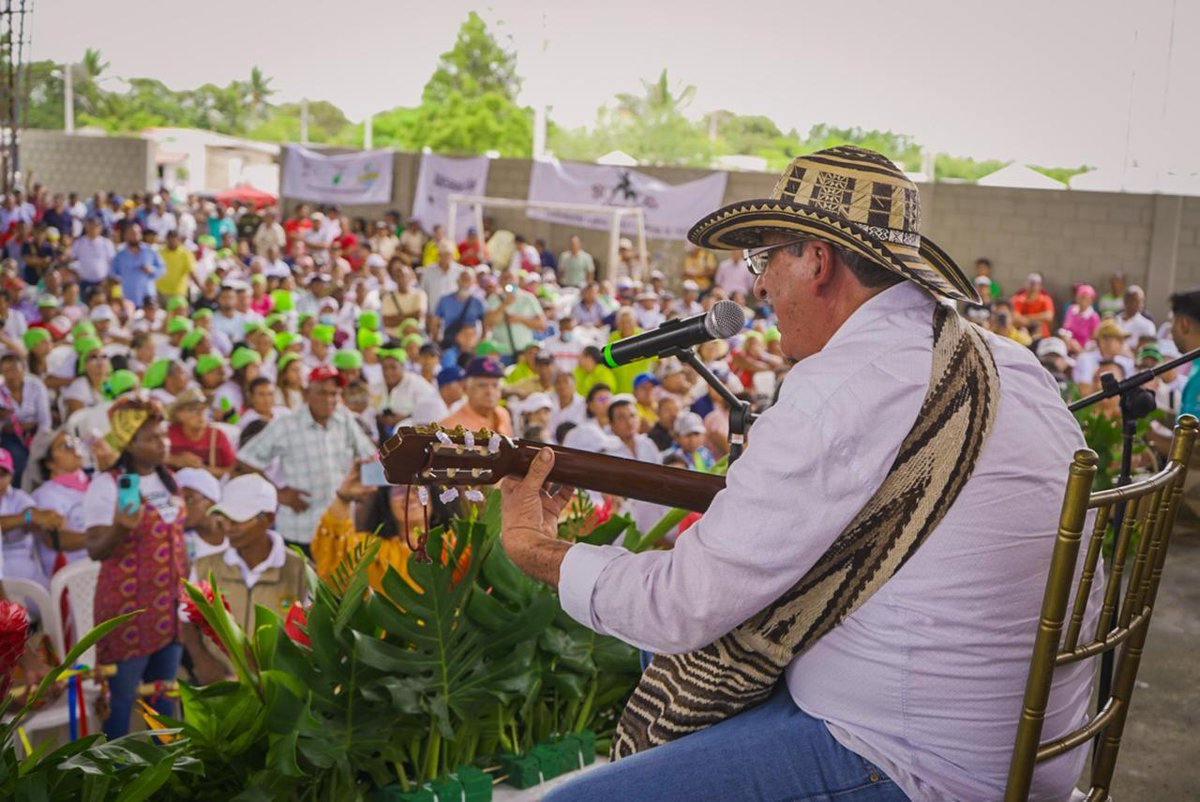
<point>469,439</point>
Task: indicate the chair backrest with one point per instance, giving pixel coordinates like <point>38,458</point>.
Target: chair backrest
<point>79,578</point>
<point>31,593</point>
<point>1142,515</point>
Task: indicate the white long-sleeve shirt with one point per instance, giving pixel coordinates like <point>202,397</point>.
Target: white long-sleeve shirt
<point>926,678</point>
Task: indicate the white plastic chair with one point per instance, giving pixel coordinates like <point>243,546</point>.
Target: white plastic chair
<point>79,578</point>
<point>58,713</point>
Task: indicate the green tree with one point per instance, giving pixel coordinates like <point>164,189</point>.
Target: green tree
<point>1063,174</point>
<point>258,90</point>
<point>327,124</point>
<point>964,169</point>
<point>475,66</point>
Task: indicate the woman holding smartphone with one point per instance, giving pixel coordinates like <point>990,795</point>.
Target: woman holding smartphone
<point>134,514</point>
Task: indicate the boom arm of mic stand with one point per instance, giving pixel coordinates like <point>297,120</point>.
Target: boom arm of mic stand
<point>740,416</point>
<point>1136,380</point>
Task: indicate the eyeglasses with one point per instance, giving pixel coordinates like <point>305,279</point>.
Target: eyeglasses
<point>757,258</point>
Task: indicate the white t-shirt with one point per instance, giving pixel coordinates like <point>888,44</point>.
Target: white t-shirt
<point>100,500</point>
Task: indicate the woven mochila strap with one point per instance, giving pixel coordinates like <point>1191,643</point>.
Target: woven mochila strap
<point>683,693</point>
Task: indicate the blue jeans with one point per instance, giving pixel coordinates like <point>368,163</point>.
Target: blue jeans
<point>122,686</point>
<point>774,751</point>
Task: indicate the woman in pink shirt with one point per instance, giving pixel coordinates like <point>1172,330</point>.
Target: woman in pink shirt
<point>1082,318</point>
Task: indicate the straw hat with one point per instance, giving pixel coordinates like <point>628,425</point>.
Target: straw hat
<point>852,197</point>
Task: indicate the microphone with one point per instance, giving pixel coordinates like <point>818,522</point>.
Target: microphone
<point>725,319</point>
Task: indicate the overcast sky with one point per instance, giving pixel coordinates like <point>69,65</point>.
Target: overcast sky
<point>1054,82</point>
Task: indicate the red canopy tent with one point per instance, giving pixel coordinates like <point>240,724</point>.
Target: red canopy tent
<point>244,193</point>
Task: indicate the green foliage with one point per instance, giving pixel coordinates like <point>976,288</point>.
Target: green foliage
<point>1063,174</point>
<point>474,67</point>
<point>964,169</point>
<point>326,124</point>
<point>460,124</point>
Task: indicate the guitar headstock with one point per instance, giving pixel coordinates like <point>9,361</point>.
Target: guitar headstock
<point>432,455</point>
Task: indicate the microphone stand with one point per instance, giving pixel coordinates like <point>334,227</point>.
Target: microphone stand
<point>740,416</point>
<point>1136,403</point>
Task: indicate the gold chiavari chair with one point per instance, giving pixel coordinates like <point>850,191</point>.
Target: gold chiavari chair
<point>1139,549</point>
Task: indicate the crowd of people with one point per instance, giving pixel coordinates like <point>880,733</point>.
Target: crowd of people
<point>246,364</point>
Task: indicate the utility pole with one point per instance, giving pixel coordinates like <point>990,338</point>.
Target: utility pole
<point>369,132</point>
<point>69,98</point>
<point>304,121</point>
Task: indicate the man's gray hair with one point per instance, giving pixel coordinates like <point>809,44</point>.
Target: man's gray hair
<point>869,274</point>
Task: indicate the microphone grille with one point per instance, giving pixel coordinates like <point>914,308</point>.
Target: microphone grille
<point>724,320</point>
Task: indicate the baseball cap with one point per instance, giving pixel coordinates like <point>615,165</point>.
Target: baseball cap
<point>397,354</point>
<point>537,401</point>
<point>121,381</point>
<point>83,328</point>
<point>322,372</point>
<point>192,338</point>
<point>242,357</point>
<point>485,367</point>
<point>1109,328</point>
<point>48,302</point>
<point>201,481</point>
<point>283,339</point>
<point>246,497</point>
<point>347,359</point>
<point>691,286</point>
<point>6,461</point>
<point>370,339</point>
<point>209,362</point>
<point>450,375</point>
<point>156,374</point>
<point>642,378</point>
<point>203,311</point>
<point>323,333</point>
<point>284,300</point>
<point>1150,350</point>
<point>175,302</point>
<point>368,320</point>
<point>486,347</point>
<point>179,324</point>
<point>1051,346</point>
<point>33,336</point>
<point>689,423</point>
<point>102,312</point>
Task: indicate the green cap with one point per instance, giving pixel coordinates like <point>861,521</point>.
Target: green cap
<point>368,320</point>
<point>34,336</point>
<point>83,328</point>
<point>48,301</point>
<point>486,347</point>
<point>772,334</point>
<point>285,300</point>
<point>85,344</point>
<point>285,360</point>
<point>251,326</point>
<point>242,357</point>
<point>176,302</point>
<point>347,359</point>
<point>192,338</point>
<point>409,339</point>
<point>303,317</point>
<point>203,311</point>
<point>121,381</point>
<point>397,354</point>
<point>156,374</point>
<point>324,333</point>
<point>207,240</point>
<point>753,334</point>
<point>284,339</point>
<point>1150,351</point>
<point>274,318</point>
<point>370,339</point>
<point>179,324</point>
<point>209,362</point>
<point>258,278</point>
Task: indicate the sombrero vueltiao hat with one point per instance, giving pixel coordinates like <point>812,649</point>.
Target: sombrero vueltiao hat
<point>852,197</point>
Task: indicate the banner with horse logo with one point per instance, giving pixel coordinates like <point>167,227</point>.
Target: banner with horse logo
<point>669,209</point>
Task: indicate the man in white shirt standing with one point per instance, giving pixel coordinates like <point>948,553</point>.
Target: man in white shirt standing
<point>440,278</point>
<point>1133,321</point>
<point>915,691</point>
<point>93,255</point>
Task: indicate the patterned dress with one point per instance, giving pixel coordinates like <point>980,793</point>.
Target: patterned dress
<point>144,572</point>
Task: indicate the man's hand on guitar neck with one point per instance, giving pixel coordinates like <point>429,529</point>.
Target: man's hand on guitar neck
<point>529,520</point>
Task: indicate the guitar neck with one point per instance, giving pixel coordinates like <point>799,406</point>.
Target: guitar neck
<point>604,473</point>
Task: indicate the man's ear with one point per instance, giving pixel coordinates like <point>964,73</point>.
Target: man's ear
<point>823,264</point>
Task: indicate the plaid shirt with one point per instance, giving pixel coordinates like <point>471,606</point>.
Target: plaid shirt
<point>312,458</point>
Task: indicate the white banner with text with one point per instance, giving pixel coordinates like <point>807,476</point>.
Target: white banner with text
<point>443,176</point>
<point>361,177</point>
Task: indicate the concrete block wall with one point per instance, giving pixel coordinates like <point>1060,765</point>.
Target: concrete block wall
<point>88,164</point>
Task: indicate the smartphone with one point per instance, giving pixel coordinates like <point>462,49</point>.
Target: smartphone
<point>372,473</point>
<point>129,494</point>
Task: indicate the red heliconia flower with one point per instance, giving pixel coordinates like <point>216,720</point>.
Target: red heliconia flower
<point>196,617</point>
<point>293,625</point>
<point>14,629</point>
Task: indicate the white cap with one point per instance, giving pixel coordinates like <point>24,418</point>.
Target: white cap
<point>103,312</point>
<point>537,401</point>
<point>691,286</point>
<point>245,497</point>
<point>1052,346</point>
<point>625,242</point>
<point>201,481</point>
<point>689,423</point>
<point>376,260</point>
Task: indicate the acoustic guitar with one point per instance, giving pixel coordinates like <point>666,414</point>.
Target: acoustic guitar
<point>431,455</point>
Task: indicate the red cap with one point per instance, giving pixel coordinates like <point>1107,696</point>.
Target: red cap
<point>323,372</point>
<point>6,460</point>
